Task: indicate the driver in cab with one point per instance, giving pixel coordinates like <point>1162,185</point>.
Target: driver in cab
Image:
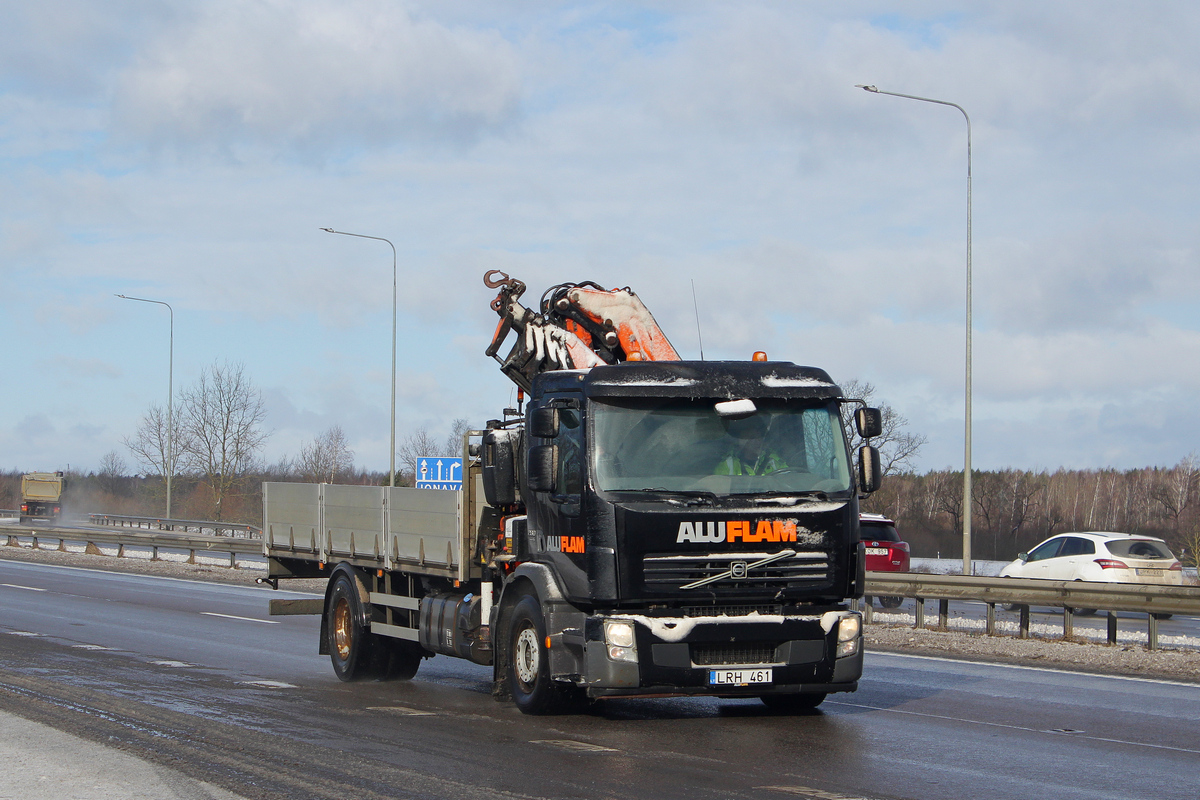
<point>749,453</point>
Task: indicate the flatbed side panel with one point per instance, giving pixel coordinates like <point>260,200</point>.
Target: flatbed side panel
<point>292,520</point>
<point>424,527</point>
<point>353,520</point>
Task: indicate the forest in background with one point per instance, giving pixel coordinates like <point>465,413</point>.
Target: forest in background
<point>1012,510</point>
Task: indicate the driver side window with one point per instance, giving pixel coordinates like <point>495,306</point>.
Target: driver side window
<point>570,452</point>
<point>1046,550</point>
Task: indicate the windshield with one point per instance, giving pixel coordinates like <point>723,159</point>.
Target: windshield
<point>684,446</point>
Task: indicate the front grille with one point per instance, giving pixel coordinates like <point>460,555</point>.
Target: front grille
<point>669,572</point>
<point>722,655</point>
<point>764,609</point>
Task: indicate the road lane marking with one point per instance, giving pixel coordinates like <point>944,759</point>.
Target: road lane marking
<point>26,588</point>
<point>1002,665</point>
<point>813,794</point>
<point>24,633</point>
<point>90,647</point>
<point>405,710</point>
<point>1073,735</point>
<point>172,664</point>
<point>574,746</point>
<point>268,684</point>
<point>243,619</point>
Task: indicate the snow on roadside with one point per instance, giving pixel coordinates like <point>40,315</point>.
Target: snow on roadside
<point>1042,630</point>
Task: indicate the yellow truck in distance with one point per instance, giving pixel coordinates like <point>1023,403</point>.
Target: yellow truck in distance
<point>41,495</point>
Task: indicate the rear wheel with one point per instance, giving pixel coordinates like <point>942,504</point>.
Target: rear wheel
<point>791,703</point>
<point>1012,606</point>
<point>402,659</point>
<point>356,654</point>
<point>533,690</point>
<point>891,602</point>
<point>1084,612</point>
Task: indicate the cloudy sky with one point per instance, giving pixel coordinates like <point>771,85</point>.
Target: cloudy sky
<point>189,152</point>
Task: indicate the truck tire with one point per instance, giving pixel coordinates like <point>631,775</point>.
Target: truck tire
<point>402,659</point>
<point>891,601</point>
<point>533,690</point>
<point>356,654</point>
<point>792,703</point>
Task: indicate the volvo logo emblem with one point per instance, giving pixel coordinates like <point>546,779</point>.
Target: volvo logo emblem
<point>737,570</point>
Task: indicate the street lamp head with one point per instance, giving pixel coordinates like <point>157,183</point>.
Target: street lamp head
<point>123,297</point>
<point>329,230</point>
<point>865,87</point>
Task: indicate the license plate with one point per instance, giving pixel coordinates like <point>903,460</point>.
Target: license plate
<point>738,677</point>
<point>877,551</point>
<point>1154,573</point>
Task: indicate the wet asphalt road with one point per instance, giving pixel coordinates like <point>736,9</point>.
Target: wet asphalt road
<point>195,676</point>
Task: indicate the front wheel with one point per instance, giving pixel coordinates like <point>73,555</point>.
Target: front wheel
<point>533,690</point>
<point>891,602</point>
<point>792,703</point>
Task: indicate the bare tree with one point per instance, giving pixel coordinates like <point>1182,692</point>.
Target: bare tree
<point>1176,489</point>
<point>898,448</point>
<point>112,472</point>
<point>454,442</point>
<point>221,415</point>
<point>415,445</point>
<point>326,458</point>
<point>149,443</point>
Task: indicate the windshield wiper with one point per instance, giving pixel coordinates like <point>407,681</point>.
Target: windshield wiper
<point>791,498</point>
<point>695,497</point>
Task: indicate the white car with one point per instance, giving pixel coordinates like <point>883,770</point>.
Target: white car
<point>1102,557</point>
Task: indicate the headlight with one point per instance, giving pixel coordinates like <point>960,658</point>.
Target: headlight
<point>849,632</point>
<point>618,635</point>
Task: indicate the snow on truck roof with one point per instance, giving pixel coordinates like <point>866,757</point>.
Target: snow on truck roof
<point>707,379</point>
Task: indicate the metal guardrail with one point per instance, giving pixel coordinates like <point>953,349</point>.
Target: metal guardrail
<point>1154,601</point>
<point>193,543</point>
<point>6,513</point>
<point>185,525</point>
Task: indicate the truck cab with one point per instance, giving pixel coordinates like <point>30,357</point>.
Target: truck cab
<point>699,518</point>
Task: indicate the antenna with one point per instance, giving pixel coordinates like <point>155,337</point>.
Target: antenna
<point>696,306</point>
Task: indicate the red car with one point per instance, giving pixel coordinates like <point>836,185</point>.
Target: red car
<point>885,551</point>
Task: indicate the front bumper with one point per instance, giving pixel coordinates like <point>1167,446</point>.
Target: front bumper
<point>674,655</point>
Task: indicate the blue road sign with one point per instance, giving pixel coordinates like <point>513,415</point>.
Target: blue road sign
<point>439,472</point>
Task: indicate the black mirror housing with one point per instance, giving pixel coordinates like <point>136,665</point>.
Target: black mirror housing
<point>543,422</point>
<point>543,467</point>
<point>870,473</point>
<point>869,422</point>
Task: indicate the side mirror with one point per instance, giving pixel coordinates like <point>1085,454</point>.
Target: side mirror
<point>543,467</point>
<point>870,475</point>
<point>543,423</point>
<point>1023,556</point>
<point>869,422</point>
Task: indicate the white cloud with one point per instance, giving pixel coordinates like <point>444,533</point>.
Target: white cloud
<point>315,75</point>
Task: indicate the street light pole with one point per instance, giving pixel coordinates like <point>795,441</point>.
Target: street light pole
<point>392,462</point>
<point>169,467</point>
<point>967,565</point>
